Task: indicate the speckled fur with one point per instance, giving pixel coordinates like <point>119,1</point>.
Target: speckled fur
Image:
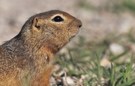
<point>27,59</point>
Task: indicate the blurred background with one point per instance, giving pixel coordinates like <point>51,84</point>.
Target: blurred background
<point>100,18</point>
<point>106,38</point>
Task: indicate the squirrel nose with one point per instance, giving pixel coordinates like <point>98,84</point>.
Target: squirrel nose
<point>79,23</point>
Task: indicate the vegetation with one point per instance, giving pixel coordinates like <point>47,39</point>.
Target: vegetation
<point>85,60</point>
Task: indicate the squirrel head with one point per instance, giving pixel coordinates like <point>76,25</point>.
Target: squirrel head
<point>52,29</point>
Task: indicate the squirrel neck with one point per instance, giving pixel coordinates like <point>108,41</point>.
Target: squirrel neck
<point>32,48</point>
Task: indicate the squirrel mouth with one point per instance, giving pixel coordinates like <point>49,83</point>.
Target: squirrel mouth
<point>73,35</point>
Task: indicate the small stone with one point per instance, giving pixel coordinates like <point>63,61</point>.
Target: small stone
<point>69,81</point>
<point>116,49</point>
<point>105,62</point>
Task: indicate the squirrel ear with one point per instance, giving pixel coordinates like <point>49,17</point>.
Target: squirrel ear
<point>37,23</point>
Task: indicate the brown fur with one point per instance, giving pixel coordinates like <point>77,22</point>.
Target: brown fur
<point>27,59</point>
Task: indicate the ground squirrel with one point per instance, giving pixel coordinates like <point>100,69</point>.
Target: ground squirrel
<point>27,59</point>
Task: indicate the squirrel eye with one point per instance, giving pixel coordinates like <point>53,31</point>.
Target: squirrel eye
<point>58,19</point>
